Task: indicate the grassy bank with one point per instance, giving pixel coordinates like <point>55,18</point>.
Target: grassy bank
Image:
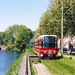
<point>14,68</point>
<point>63,66</point>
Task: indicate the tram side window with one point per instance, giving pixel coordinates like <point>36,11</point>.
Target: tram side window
<point>40,43</point>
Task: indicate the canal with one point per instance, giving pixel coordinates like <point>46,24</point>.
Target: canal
<point>6,60</point>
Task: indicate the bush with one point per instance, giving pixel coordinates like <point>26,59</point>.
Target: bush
<point>39,59</point>
<point>70,57</point>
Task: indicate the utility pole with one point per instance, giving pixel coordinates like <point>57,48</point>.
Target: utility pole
<point>62,31</point>
<point>62,26</point>
<point>62,14</point>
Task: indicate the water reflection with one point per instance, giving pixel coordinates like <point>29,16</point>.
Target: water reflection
<point>6,59</point>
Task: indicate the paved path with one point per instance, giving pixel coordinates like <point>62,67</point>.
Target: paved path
<point>41,69</point>
<point>22,68</point>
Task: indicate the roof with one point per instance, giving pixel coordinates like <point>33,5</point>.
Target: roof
<point>42,36</point>
<point>46,35</point>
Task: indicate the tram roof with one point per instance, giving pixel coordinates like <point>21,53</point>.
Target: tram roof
<point>42,36</point>
<point>46,35</point>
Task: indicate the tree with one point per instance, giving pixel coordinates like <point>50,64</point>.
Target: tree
<point>68,14</point>
<point>10,35</point>
<point>50,22</point>
<point>2,38</point>
<point>22,38</point>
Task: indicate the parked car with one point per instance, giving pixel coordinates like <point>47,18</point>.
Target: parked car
<point>71,51</point>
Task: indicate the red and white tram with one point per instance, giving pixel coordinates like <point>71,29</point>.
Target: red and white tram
<point>46,45</point>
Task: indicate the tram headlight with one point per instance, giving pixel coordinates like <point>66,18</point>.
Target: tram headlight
<point>54,51</point>
<point>41,55</point>
<point>44,51</point>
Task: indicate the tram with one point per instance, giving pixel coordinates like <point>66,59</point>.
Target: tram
<point>46,45</point>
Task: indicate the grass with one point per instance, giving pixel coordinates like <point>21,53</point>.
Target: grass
<point>30,51</point>
<point>32,68</point>
<point>63,66</point>
<point>70,56</point>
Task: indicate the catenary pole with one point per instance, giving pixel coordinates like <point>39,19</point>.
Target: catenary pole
<point>62,14</point>
<point>62,31</point>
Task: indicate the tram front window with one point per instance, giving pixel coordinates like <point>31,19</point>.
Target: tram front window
<point>49,42</point>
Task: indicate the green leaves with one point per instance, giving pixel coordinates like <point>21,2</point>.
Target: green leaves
<point>50,21</point>
<point>16,37</point>
<point>2,38</point>
<point>22,38</point>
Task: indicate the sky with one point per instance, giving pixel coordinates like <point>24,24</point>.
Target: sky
<point>25,12</point>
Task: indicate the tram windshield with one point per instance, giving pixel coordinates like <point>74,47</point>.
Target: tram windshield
<point>49,42</point>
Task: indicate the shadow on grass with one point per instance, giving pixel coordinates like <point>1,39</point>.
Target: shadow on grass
<point>58,57</point>
<point>52,58</point>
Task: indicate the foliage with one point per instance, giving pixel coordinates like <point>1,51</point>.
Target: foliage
<point>39,59</point>
<point>10,35</point>
<point>14,34</point>
<point>22,38</point>
<point>2,37</point>
<point>50,22</point>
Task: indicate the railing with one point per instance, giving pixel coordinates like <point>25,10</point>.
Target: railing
<point>25,66</point>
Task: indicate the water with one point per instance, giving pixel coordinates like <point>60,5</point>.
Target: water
<point>6,59</point>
